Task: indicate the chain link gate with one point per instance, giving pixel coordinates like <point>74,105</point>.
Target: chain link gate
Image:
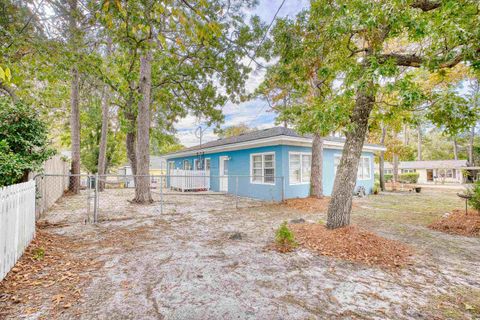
<point>169,193</point>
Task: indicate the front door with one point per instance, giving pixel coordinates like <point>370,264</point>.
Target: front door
<point>223,176</point>
<point>429,175</point>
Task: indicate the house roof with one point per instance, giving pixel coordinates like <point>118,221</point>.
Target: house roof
<point>267,136</point>
<point>429,164</point>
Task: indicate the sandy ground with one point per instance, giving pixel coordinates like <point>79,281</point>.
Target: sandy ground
<point>182,264</point>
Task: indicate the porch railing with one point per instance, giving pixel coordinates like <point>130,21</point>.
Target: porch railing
<point>189,180</point>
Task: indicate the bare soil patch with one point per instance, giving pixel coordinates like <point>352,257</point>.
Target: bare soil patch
<point>47,271</point>
<point>460,223</point>
<point>353,244</point>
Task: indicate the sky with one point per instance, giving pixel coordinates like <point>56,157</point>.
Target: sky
<point>254,113</point>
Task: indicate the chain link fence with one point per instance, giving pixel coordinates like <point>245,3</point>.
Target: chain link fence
<point>110,197</point>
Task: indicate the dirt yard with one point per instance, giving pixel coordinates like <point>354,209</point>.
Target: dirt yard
<point>204,259</point>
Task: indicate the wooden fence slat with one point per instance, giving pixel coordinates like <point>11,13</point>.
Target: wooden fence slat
<point>17,223</point>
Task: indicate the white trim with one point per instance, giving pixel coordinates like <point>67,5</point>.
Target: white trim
<point>301,165</point>
<point>271,141</point>
<point>339,155</point>
<point>262,154</point>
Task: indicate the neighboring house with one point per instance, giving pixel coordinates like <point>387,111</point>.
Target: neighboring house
<point>434,171</point>
<point>270,164</point>
<point>157,168</point>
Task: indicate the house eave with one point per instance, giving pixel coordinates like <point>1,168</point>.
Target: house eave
<point>271,141</point>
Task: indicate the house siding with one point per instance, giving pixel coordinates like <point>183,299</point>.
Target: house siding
<point>239,171</point>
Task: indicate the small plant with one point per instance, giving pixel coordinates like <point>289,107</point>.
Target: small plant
<point>376,187</point>
<point>39,254</point>
<point>284,237</point>
<point>411,177</point>
<point>474,192</point>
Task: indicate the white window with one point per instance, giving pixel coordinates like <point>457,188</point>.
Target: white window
<point>408,170</point>
<point>364,167</point>
<point>299,167</point>
<point>446,173</point>
<point>187,165</point>
<point>207,164</point>
<point>388,171</point>
<point>262,168</point>
<point>201,165</point>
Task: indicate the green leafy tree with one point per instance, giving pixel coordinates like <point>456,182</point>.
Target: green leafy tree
<point>234,130</point>
<point>23,142</point>
<point>359,34</point>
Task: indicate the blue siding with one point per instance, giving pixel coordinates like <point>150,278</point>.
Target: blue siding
<point>239,171</point>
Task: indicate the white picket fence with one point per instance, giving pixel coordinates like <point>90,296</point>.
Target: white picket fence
<point>17,223</point>
<point>190,180</point>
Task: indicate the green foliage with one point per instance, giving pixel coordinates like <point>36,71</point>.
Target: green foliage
<point>411,177</point>
<point>234,130</point>
<point>388,177</point>
<point>284,236</point>
<point>23,141</point>
<point>376,187</point>
<point>474,192</point>
<point>39,253</point>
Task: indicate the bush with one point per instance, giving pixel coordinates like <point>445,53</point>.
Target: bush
<point>376,187</point>
<point>474,192</point>
<point>408,177</point>
<point>388,177</point>
<point>23,142</point>
<point>284,236</point>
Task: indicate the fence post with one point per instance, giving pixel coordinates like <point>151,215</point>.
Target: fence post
<point>236,192</point>
<point>44,195</point>
<point>161,194</point>
<point>95,200</point>
<point>283,188</point>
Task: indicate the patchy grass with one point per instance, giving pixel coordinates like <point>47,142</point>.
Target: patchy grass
<point>411,208</point>
<point>459,303</point>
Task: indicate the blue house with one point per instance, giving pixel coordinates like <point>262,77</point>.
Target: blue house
<point>271,164</point>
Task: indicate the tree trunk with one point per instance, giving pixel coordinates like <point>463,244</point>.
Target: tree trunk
<point>102,150</point>
<point>419,142</point>
<point>74,105</point>
<point>381,164</point>
<point>340,206</point>
<point>131,138</point>
<point>142,186</point>
<point>471,141</point>
<point>316,172</point>
<point>395,170</point>
<point>455,149</point>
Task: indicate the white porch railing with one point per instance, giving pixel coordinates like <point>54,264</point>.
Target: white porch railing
<point>17,222</point>
<point>190,180</point>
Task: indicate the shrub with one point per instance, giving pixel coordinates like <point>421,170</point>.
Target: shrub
<point>408,177</point>
<point>388,177</point>
<point>474,192</point>
<point>284,236</point>
<point>376,187</point>
<point>23,141</point>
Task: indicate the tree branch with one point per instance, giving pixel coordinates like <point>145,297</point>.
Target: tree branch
<point>412,60</point>
<point>9,90</point>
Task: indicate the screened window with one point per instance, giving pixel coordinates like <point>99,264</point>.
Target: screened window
<point>262,168</point>
<point>364,167</point>
<point>187,165</point>
<point>299,167</point>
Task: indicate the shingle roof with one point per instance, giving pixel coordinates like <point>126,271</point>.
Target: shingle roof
<point>255,135</point>
<point>429,164</point>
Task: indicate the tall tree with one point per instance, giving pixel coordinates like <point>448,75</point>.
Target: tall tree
<point>365,29</point>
